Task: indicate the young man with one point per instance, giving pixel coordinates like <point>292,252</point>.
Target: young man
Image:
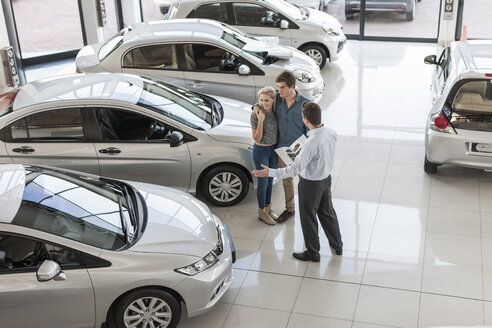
<point>313,165</point>
<point>290,127</point>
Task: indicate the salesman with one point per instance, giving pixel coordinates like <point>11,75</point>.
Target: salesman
<point>314,165</point>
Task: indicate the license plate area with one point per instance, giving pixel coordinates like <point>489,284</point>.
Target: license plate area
<point>483,149</point>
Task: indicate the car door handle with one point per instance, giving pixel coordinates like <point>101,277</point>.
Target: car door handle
<point>23,150</point>
<point>110,151</point>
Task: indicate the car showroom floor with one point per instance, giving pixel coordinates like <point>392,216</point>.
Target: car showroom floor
<point>417,248</point>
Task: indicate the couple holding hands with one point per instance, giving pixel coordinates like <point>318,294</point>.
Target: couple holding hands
<point>278,119</point>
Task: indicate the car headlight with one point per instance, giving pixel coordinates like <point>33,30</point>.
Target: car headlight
<point>330,31</point>
<point>206,262</point>
<point>304,76</point>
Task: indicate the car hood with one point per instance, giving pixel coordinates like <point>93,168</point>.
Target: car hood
<point>319,18</point>
<point>288,57</point>
<point>87,58</point>
<point>177,223</point>
<point>236,123</point>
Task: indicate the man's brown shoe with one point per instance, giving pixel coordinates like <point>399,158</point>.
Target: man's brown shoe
<point>284,216</point>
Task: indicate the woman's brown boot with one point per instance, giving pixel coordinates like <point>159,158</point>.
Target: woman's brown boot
<point>265,217</point>
<point>270,212</point>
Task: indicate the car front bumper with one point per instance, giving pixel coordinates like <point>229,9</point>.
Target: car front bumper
<point>202,291</point>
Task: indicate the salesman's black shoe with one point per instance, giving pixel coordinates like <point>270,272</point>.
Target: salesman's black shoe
<point>305,256</point>
<point>338,251</point>
<point>285,216</point>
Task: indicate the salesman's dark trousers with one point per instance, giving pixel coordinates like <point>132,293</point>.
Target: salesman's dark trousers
<point>315,199</point>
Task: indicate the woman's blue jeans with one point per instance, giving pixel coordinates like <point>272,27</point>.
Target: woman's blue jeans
<point>264,155</point>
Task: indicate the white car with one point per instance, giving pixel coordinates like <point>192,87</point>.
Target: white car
<point>459,128</point>
<point>204,56</point>
<point>315,4</point>
<point>79,250</point>
<point>315,33</point>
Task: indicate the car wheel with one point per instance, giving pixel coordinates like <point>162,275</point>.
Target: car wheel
<point>225,185</point>
<point>317,53</point>
<point>148,308</point>
<point>429,167</point>
<point>409,16</point>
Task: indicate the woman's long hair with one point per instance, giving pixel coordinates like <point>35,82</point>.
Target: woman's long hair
<point>269,91</point>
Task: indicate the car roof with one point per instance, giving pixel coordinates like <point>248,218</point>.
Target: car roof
<point>189,27</point>
<point>477,54</point>
<point>12,183</point>
<point>122,87</point>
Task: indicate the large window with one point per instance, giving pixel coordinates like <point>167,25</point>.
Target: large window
<point>388,19</point>
<point>476,18</point>
<point>47,27</point>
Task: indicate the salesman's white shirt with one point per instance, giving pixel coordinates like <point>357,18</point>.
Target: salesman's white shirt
<point>315,160</point>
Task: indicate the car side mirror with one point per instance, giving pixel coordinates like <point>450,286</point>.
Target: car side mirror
<point>431,60</point>
<point>244,69</point>
<point>177,139</point>
<point>50,270</point>
<point>284,24</point>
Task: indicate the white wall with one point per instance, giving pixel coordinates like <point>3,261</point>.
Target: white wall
<point>4,42</point>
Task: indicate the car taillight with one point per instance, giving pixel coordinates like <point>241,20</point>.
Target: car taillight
<point>488,74</point>
<point>439,122</point>
<point>6,101</point>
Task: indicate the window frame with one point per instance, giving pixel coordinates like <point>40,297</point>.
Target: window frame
<point>44,242</point>
<point>178,56</point>
<point>87,137</point>
<point>99,135</point>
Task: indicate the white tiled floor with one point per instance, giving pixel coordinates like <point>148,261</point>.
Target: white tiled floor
<point>417,248</point>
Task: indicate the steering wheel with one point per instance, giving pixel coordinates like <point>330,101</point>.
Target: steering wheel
<point>224,61</point>
<point>150,130</point>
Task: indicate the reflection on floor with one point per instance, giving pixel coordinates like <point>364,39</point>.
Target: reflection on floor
<point>417,248</point>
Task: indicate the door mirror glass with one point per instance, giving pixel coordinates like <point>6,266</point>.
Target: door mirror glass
<point>177,139</point>
<point>431,60</point>
<point>48,270</point>
<point>244,70</point>
<point>284,24</point>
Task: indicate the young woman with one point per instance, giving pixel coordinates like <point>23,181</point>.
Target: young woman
<point>264,126</point>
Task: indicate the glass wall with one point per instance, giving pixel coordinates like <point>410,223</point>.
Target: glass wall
<point>476,18</point>
<point>388,19</point>
<point>153,9</point>
<point>111,23</point>
<point>39,24</point>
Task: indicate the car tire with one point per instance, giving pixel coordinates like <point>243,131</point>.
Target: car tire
<point>317,53</point>
<point>126,308</point>
<point>349,14</point>
<point>429,167</point>
<point>225,185</point>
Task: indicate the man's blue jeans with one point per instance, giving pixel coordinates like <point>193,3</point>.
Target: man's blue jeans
<point>264,155</point>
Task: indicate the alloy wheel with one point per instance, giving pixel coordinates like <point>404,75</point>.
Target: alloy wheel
<point>147,312</point>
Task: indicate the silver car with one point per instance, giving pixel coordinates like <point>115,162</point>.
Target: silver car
<point>131,128</point>
<point>78,250</point>
<point>315,33</point>
<point>203,56</point>
<point>459,128</point>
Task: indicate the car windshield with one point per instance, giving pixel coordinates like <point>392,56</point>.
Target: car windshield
<point>192,109</point>
<point>111,44</point>
<point>86,209</point>
<point>239,39</point>
<point>290,10</point>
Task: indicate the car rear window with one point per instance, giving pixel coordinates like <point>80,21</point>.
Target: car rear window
<point>472,106</point>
